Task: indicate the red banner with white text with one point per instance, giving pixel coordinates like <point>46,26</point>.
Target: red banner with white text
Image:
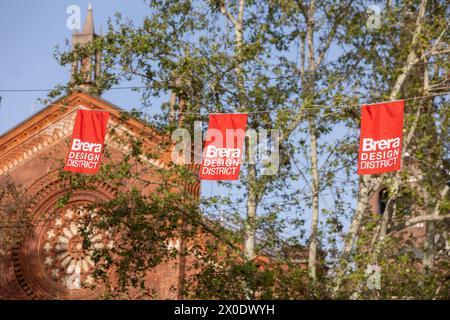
<point>380,144</point>
<point>223,148</point>
<point>88,138</point>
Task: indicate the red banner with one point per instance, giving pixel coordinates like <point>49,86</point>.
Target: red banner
<point>223,148</point>
<point>380,144</point>
<point>88,138</point>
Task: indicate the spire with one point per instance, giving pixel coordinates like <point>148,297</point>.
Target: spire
<point>88,27</point>
<point>89,67</point>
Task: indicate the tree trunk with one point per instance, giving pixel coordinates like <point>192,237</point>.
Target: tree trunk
<point>367,181</point>
<point>250,223</point>
<point>308,94</point>
<point>429,247</point>
<point>367,186</point>
<point>410,62</point>
<point>315,200</point>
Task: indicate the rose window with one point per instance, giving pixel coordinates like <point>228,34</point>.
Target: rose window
<point>64,258</point>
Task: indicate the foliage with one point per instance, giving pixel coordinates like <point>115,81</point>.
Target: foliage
<point>215,61</point>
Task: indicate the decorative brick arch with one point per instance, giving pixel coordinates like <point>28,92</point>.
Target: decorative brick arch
<point>50,262</point>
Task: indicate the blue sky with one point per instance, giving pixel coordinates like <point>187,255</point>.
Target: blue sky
<point>29,33</point>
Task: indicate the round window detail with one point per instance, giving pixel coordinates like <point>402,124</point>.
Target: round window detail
<point>52,262</point>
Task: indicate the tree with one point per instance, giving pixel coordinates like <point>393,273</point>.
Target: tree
<point>404,52</point>
<point>236,56</point>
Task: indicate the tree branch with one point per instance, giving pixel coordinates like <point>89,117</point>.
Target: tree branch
<point>227,13</point>
<point>435,216</point>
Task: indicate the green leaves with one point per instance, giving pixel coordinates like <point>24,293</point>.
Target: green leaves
<point>194,50</point>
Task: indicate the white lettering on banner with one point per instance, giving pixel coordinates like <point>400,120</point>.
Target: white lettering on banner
<point>213,152</point>
<point>218,170</point>
<point>78,145</point>
<point>82,164</point>
<point>381,153</point>
<point>223,161</point>
<point>378,163</point>
<point>372,145</point>
<point>84,154</point>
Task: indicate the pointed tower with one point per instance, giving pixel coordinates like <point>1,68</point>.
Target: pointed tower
<point>89,67</point>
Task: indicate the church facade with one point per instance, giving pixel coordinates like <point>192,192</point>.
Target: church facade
<point>50,263</point>
<point>44,264</point>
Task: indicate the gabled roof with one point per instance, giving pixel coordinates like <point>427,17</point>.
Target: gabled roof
<point>55,122</point>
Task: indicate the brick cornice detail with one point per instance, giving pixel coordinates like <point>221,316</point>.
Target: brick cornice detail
<point>55,123</point>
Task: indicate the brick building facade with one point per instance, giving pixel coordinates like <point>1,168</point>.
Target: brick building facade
<point>50,263</point>
<point>44,265</point>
